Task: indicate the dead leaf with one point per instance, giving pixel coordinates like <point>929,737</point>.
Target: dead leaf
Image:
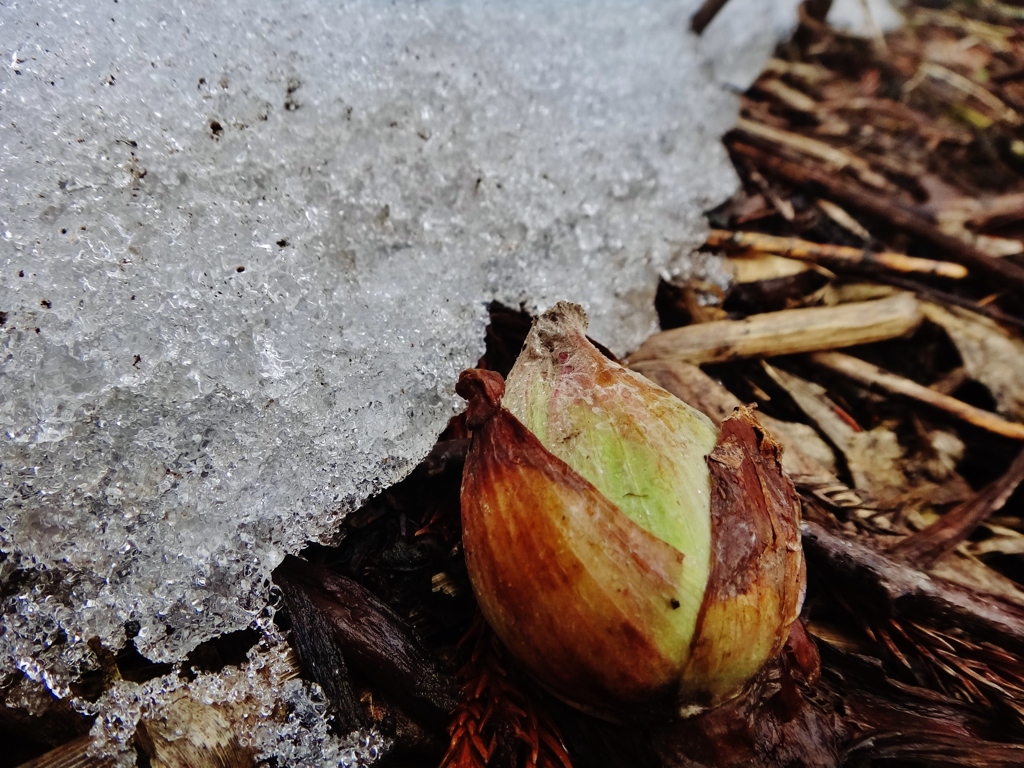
<point>992,356</point>
<point>874,461</point>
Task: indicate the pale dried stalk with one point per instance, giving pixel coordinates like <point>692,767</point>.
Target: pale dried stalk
<point>813,400</point>
<point>807,73</point>
<point>915,221</point>
<point>873,376</point>
<point>784,333</point>
<point>791,97</point>
<point>804,250</point>
<point>188,733</point>
<point>996,36</point>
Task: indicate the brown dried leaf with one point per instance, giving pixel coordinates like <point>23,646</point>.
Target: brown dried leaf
<point>874,459</point>
<point>992,355</point>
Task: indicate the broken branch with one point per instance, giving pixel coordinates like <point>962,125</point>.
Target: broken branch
<point>836,158</point>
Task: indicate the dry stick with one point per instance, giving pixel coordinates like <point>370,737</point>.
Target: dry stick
<point>803,72</point>
<point>804,250</point>
<point>903,590</point>
<point>1002,272</point>
<point>322,658</point>
<point>951,381</point>
<point>706,14</point>
<point>797,142</point>
<point>374,640</point>
<point>971,88</point>
<point>871,375</point>
<point>787,332</point>
<point>944,535</point>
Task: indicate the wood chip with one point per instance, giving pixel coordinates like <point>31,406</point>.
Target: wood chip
<point>813,400</point>
<point>873,457</point>
<point>187,733</point>
<point>945,534</point>
<point>79,753</point>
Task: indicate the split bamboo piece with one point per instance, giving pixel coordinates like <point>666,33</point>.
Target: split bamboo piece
<point>804,250</point>
<point>787,332</point>
<point>873,376</point>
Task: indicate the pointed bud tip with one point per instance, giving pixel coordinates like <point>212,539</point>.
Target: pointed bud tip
<point>556,322</point>
<point>482,390</point>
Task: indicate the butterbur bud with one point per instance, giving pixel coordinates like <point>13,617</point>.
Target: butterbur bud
<point>627,553</point>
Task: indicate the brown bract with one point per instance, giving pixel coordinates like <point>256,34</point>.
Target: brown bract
<point>758,574</point>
